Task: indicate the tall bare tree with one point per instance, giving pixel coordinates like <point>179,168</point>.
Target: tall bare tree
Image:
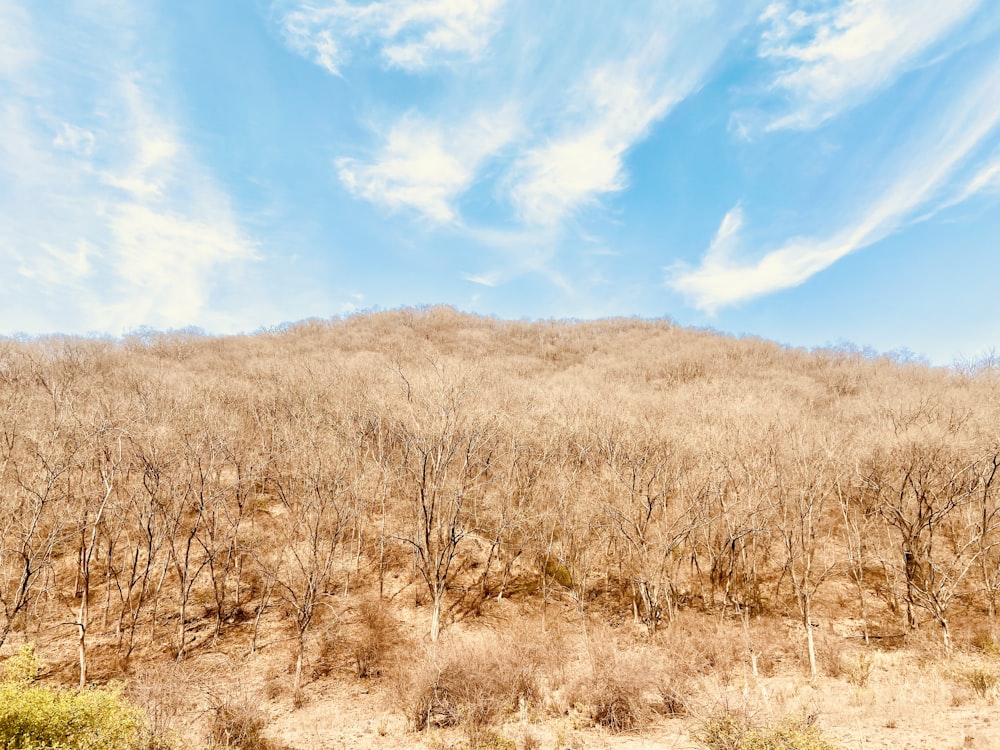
<point>445,454</point>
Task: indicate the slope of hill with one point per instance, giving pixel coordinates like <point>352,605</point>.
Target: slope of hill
<point>517,530</point>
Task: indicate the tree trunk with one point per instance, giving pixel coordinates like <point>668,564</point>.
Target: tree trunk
<point>810,640</point>
<point>945,630</point>
<point>181,629</point>
<point>82,632</point>
<point>297,683</point>
<point>436,615</point>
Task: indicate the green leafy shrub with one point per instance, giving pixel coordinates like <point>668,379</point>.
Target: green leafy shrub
<point>23,667</point>
<point>558,572</point>
<point>728,732</point>
<point>35,717</point>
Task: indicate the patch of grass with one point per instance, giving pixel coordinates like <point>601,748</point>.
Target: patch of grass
<point>860,671</point>
<point>829,656</point>
<point>730,732</point>
<point>982,681</point>
<point>983,640</point>
<point>617,693</point>
<point>529,740</point>
<point>492,741</point>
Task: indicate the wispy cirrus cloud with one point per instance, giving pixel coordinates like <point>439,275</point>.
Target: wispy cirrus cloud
<point>170,230</point>
<point>619,101</point>
<point>113,222</point>
<point>553,127</point>
<point>490,279</point>
<point>409,34</point>
<point>657,56</point>
<point>425,165</point>
<point>16,46</point>
<point>832,59</point>
<point>985,180</point>
<point>939,156</point>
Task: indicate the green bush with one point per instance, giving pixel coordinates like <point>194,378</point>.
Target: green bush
<point>558,572</point>
<point>35,717</point>
<point>727,732</point>
<point>23,667</point>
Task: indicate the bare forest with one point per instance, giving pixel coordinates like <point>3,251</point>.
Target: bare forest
<point>423,527</point>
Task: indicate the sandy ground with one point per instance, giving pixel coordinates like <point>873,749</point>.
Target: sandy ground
<point>894,711</point>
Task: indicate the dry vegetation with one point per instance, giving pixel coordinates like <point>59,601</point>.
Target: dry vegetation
<point>424,527</point>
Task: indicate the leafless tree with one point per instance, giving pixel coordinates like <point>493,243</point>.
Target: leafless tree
<point>310,528</point>
<point>923,491</point>
<point>445,455</point>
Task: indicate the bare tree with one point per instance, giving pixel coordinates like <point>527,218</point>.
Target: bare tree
<point>804,485</point>
<point>189,503</point>
<point>107,443</point>
<point>446,456</point>
<point>310,529</point>
<point>653,518</point>
<point>923,491</point>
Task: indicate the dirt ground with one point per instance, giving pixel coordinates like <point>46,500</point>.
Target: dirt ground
<point>353,717</point>
<point>906,702</point>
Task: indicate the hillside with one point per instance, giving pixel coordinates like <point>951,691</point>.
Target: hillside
<point>497,531</point>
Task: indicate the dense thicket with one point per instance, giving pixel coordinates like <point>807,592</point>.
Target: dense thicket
<point>634,467</point>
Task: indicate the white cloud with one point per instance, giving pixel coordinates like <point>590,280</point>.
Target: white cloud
<point>986,179</point>
<point>426,166</point>
<point>17,49</point>
<point>553,122</point>
<point>726,239</point>
<point>77,140</point>
<point>928,166</point>
<point>55,266</point>
<point>111,222</point>
<point>490,279</point>
<point>171,231</point>
<point>536,105</point>
<point>615,107</point>
<point>831,60</point>
<point>551,181</point>
<point>165,263</point>
<point>411,34</point>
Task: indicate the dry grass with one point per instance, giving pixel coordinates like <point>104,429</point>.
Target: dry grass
<point>733,732</point>
<point>618,694</point>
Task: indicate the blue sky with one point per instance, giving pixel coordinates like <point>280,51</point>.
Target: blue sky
<point>814,172</point>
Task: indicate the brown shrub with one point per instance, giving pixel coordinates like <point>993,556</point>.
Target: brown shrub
<point>377,639</point>
<point>237,722</point>
<point>162,694</point>
<point>831,654</point>
<point>471,684</point>
<point>617,694</point>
